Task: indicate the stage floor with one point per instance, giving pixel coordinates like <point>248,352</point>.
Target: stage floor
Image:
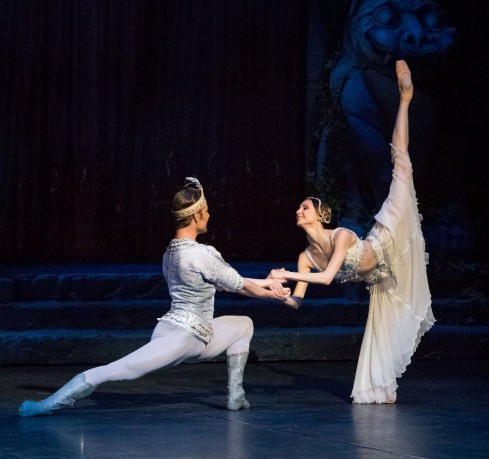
<point>299,410</point>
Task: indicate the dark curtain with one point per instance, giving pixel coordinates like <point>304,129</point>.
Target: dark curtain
<point>108,105</point>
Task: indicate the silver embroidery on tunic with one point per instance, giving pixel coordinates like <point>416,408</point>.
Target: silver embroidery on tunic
<point>193,273</point>
<point>189,322</point>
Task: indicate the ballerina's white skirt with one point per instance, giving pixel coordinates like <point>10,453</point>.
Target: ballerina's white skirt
<point>400,307</point>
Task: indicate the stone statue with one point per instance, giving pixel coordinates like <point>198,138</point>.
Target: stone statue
<point>362,87</point>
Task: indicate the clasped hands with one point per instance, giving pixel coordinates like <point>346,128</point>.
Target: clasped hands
<point>277,287</point>
<point>278,274</point>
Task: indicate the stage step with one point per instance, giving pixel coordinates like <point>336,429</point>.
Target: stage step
<point>97,347</point>
<point>70,314</point>
<point>142,314</point>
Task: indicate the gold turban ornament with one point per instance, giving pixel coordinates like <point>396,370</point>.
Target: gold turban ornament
<point>191,182</point>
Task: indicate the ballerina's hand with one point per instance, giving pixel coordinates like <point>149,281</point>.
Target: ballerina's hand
<point>278,274</point>
<point>281,281</point>
<point>280,292</point>
<point>270,273</point>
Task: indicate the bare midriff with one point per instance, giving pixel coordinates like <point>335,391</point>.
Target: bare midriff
<point>369,261</point>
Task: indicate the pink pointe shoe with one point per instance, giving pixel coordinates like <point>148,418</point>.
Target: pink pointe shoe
<point>404,80</point>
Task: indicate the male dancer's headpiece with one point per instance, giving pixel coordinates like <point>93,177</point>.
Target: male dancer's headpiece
<point>191,182</point>
<point>323,214</point>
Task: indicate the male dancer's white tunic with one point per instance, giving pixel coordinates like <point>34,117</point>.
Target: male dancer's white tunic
<point>187,332</point>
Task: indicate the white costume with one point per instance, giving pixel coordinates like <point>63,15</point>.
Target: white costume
<point>400,300</point>
<point>186,333</point>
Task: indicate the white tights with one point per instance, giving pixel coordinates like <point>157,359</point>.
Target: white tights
<point>170,346</point>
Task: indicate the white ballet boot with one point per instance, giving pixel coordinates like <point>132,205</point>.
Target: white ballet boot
<point>236,394</point>
<point>72,391</point>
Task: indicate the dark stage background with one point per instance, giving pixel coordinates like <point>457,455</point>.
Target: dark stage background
<point>108,105</point>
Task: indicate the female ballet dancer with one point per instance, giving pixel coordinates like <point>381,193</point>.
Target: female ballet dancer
<point>391,260</point>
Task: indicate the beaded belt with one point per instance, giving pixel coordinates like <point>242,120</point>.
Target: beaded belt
<point>382,270</point>
<point>189,322</point>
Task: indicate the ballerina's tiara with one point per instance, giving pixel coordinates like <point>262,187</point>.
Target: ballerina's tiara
<point>324,215</point>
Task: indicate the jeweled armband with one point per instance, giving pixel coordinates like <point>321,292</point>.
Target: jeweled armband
<point>297,299</point>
